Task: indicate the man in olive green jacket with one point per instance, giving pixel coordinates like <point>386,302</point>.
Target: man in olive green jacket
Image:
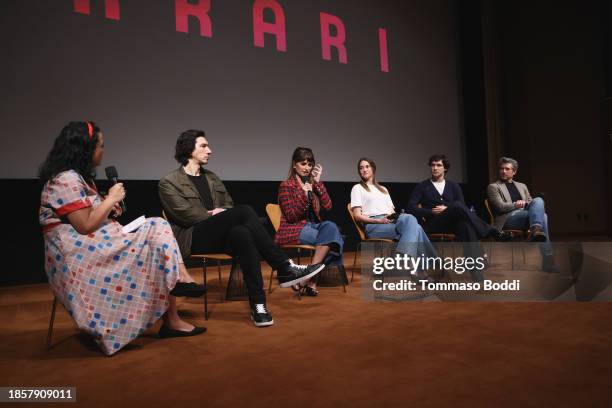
<point>183,205</point>
<point>204,220</point>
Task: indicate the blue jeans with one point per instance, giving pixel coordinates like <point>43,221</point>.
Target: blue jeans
<point>535,214</point>
<point>412,239</point>
<point>324,233</point>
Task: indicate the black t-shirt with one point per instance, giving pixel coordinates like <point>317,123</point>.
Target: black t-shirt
<point>514,193</point>
<point>311,215</point>
<point>201,183</point>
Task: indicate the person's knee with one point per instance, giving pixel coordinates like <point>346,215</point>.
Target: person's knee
<point>538,200</point>
<point>408,219</point>
<point>329,225</point>
<point>245,211</point>
<point>240,234</point>
<point>406,223</point>
<point>159,223</point>
<point>244,208</point>
<point>457,211</point>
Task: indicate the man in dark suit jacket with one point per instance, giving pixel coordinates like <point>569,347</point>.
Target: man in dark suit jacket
<point>440,202</point>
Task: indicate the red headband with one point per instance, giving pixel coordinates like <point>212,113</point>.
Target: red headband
<point>90,130</point>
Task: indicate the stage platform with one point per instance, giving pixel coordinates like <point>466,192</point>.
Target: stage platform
<point>333,350</point>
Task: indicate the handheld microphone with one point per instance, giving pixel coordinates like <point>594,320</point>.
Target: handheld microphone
<point>306,179</point>
<point>113,176</point>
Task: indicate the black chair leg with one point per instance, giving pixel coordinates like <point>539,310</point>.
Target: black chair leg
<point>220,286</point>
<point>270,284</point>
<point>206,290</point>
<point>343,276</point>
<point>355,260</point>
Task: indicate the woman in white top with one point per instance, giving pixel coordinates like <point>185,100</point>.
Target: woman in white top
<point>372,206</point>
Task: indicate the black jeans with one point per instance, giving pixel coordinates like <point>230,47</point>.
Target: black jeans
<point>238,232</point>
<point>457,218</point>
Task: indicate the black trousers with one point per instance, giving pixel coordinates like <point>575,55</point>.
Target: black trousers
<point>238,232</point>
<point>466,225</point>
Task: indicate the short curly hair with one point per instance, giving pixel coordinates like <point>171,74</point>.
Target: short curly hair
<point>442,158</point>
<point>185,145</point>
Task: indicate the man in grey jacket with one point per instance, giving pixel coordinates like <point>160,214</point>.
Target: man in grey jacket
<point>514,208</point>
<point>204,219</point>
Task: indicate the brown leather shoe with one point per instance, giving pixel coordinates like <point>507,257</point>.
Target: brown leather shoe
<point>536,234</point>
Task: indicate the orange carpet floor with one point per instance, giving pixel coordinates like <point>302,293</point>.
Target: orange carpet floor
<point>330,351</point>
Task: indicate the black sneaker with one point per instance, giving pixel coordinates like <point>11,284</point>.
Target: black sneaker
<point>260,315</point>
<point>295,274</point>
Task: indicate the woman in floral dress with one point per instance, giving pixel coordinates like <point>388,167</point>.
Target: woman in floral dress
<point>115,285</point>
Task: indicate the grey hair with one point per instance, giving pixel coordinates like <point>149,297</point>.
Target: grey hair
<point>510,160</point>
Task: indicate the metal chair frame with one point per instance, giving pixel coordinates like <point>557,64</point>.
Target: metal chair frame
<point>363,238</point>
<point>514,233</point>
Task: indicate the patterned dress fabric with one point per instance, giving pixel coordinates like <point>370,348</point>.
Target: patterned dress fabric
<point>114,285</point>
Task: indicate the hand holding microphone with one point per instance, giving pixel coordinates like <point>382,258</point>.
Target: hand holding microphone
<point>306,186</point>
<point>117,191</point>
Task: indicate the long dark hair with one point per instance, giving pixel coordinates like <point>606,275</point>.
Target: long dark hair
<point>300,154</point>
<point>374,182</point>
<point>73,149</point>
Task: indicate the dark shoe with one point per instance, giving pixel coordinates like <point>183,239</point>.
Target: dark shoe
<point>548,264</point>
<point>166,332</point>
<point>260,315</point>
<point>312,292</point>
<point>190,289</point>
<point>421,276</point>
<point>477,275</point>
<point>502,236</point>
<point>536,234</point>
<point>424,276</point>
<point>297,273</point>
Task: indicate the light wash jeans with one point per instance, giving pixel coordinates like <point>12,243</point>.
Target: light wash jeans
<point>413,240</point>
<point>535,214</point>
<point>324,233</point>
